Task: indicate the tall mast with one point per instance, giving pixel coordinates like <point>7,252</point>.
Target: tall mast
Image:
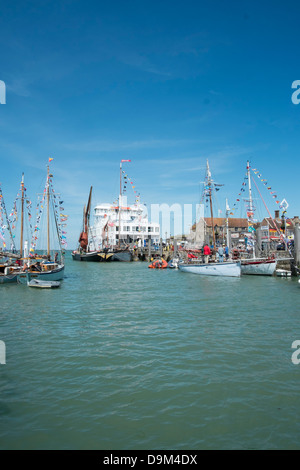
<point>227,225</point>
<point>208,173</point>
<point>48,213</point>
<point>22,215</point>
<point>120,202</point>
<point>87,217</point>
<point>250,203</point>
<point>88,209</point>
<point>250,190</point>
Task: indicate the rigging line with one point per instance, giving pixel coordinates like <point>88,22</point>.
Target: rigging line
<point>278,231</point>
<point>8,222</point>
<point>56,221</point>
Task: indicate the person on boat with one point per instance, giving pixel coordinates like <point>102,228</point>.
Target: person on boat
<point>221,253</point>
<point>206,252</point>
<point>226,252</point>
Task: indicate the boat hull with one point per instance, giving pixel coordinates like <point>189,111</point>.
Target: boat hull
<point>10,275</point>
<point>43,284</point>
<point>124,256</point>
<point>53,275</point>
<point>258,267</point>
<point>213,269</point>
<point>8,278</point>
<point>93,256</point>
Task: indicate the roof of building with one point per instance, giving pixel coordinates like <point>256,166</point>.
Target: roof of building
<point>221,222</point>
<point>276,224</point>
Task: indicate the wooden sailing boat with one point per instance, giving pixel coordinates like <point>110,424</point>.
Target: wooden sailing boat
<point>227,268</point>
<point>256,266</point>
<point>46,268</point>
<point>83,253</point>
<point>12,262</point>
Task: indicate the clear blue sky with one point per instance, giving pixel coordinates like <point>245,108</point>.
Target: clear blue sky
<point>166,84</point>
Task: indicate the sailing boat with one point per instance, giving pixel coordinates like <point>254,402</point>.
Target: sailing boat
<point>45,268</point>
<point>10,264</point>
<point>83,253</point>
<point>256,266</point>
<point>226,268</point>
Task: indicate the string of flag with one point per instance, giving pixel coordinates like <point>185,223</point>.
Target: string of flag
<point>14,214</point>
<point>272,193</point>
<point>59,215</point>
<point>128,181</point>
<point>4,222</point>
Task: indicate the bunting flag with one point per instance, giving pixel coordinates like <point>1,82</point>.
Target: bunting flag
<point>126,180</point>
<point>59,217</point>
<point>265,182</point>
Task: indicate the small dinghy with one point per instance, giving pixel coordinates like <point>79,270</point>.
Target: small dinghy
<point>43,284</point>
<point>158,264</point>
<point>283,273</point>
<point>174,263</point>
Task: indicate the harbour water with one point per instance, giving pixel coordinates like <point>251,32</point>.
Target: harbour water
<point>125,357</point>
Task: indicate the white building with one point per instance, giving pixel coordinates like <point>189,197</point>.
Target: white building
<point>135,227</point>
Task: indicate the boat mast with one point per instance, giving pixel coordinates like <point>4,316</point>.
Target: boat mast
<point>22,215</point>
<point>250,203</point>
<point>87,217</point>
<point>48,213</point>
<point>120,202</point>
<point>227,225</point>
<point>210,200</point>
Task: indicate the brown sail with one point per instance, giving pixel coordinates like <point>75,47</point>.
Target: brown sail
<point>83,238</point>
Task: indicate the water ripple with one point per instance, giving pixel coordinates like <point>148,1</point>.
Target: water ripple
<point>123,357</point>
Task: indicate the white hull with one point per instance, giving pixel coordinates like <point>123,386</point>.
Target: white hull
<point>43,284</point>
<point>213,269</point>
<point>259,267</point>
<point>283,273</point>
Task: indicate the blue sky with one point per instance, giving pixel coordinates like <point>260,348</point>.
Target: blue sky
<point>166,84</point>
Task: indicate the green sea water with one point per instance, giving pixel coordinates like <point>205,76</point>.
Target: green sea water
<point>126,357</point>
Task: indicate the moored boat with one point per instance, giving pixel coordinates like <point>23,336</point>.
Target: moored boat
<point>230,269</point>
<point>283,273</point>
<point>42,284</point>
<point>85,256</point>
<point>9,273</point>
<point>43,271</point>
<point>84,253</point>
<point>49,267</point>
<point>158,264</point>
<point>11,262</point>
<point>256,266</point>
<point>174,263</point>
<point>195,266</point>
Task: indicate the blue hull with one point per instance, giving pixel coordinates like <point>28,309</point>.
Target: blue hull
<point>8,278</point>
<point>54,275</point>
